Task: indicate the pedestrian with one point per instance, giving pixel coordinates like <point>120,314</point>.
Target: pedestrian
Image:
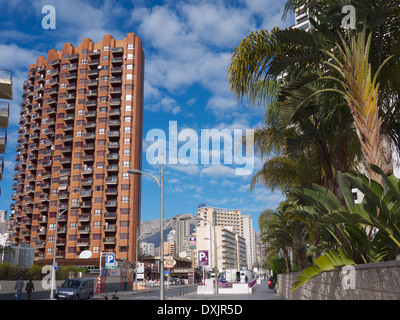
<point>29,288</point>
<point>19,285</point>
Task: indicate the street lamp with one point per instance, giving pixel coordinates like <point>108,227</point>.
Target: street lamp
<point>53,271</point>
<point>213,224</point>
<point>160,183</point>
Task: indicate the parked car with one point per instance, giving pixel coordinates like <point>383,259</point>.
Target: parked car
<point>75,289</point>
<point>177,281</point>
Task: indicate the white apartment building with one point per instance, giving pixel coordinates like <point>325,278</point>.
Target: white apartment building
<point>241,225</point>
<point>231,247</point>
<point>249,234</point>
<point>147,249</point>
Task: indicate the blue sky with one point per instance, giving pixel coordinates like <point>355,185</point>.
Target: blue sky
<point>188,46</point>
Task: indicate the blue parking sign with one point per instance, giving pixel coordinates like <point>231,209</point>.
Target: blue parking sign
<point>110,261</point>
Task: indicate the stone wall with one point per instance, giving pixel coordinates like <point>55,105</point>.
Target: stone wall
<point>374,281</point>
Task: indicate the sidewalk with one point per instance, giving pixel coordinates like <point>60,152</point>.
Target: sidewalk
<point>261,293</point>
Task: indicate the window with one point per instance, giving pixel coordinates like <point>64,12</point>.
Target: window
<point>106,48</point>
<point>50,238</point>
<point>130,56</point>
<point>105,78</point>
<point>106,58</point>
<point>129,66</point>
<point>97,224</point>
<point>128,119</point>
<point>98,212</point>
<point>79,133</point>
<point>128,97</point>
<point>126,164</point>
<point>126,175</point>
<point>73,225</point>
<point>100,165</point>
<point>129,76</point>
<point>84,61</point>
<point>127,141</point>
<point>131,46</point>
<point>127,152</point>
<point>52,226</point>
<point>96,249</point>
<point>127,130</point>
<point>125,200</point>
<point>102,131</point>
<point>75,201</point>
<point>128,108</point>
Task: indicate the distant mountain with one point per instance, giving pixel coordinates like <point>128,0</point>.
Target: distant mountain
<point>153,228</point>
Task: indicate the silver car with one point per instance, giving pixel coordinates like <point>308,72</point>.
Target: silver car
<point>76,289</point>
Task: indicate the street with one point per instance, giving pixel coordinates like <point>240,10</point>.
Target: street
<point>189,292</point>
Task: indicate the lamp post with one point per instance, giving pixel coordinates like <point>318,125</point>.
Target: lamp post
<point>160,183</point>
<point>213,224</point>
<point>53,271</point>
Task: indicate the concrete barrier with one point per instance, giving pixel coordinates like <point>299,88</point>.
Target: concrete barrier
<point>373,281</point>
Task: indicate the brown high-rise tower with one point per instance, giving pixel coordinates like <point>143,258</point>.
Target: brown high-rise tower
<point>81,131</point>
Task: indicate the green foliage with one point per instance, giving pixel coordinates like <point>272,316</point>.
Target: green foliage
<point>326,262</point>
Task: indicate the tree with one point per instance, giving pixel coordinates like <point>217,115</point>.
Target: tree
<point>304,60</point>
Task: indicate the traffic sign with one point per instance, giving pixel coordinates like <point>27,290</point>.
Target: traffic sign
<point>203,258</point>
<point>110,261</point>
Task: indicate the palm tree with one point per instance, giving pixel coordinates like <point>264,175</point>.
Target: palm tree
<point>308,60</point>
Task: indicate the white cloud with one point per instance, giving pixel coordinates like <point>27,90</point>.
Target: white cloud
<point>218,171</point>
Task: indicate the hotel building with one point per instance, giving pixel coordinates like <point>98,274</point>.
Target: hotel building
<point>80,132</point>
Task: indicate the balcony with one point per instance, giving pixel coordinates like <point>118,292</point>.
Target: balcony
<point>86,193</point>
<point>86,205</point>
<point>66,160</point>
<point>90,114</point>
<point>91,103</point>
<point>93,73</point>
<point>117,51</point>
<point>113,180</point>
<point>94,54</point>
<point>84,230</point>
<point>92,93</point>
<point>3,140</point>
<point>87,182</point>
<point>4,114</point>
<point>109,241</point>
<point>112,203</point>
<point>87,170</point>
<point>115,102</point>
<point>6,84</point>
<point>112,168</point>
<point>89,136</point>
<point>110,216</point>
<point>68,138</point>
<point>84,242</point>
<point>84,218</point>
<point>92,83</point>
<point>113,145</point>
<point>113,134</point>
<point>55,62</point>
<point>116,71</point>
<point>116,80</point>
<point>112,156</point>
<point>70,97</point>
<point>116,61</point>
<point>112,192</point>
<point>94,62</point>
<point>89,146</point>
<point>69,107</point>
<point>114,123</point>
<point>88,158</point>
<point>73,67</point>
<point>72,76</point>
<point>110,228</point>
